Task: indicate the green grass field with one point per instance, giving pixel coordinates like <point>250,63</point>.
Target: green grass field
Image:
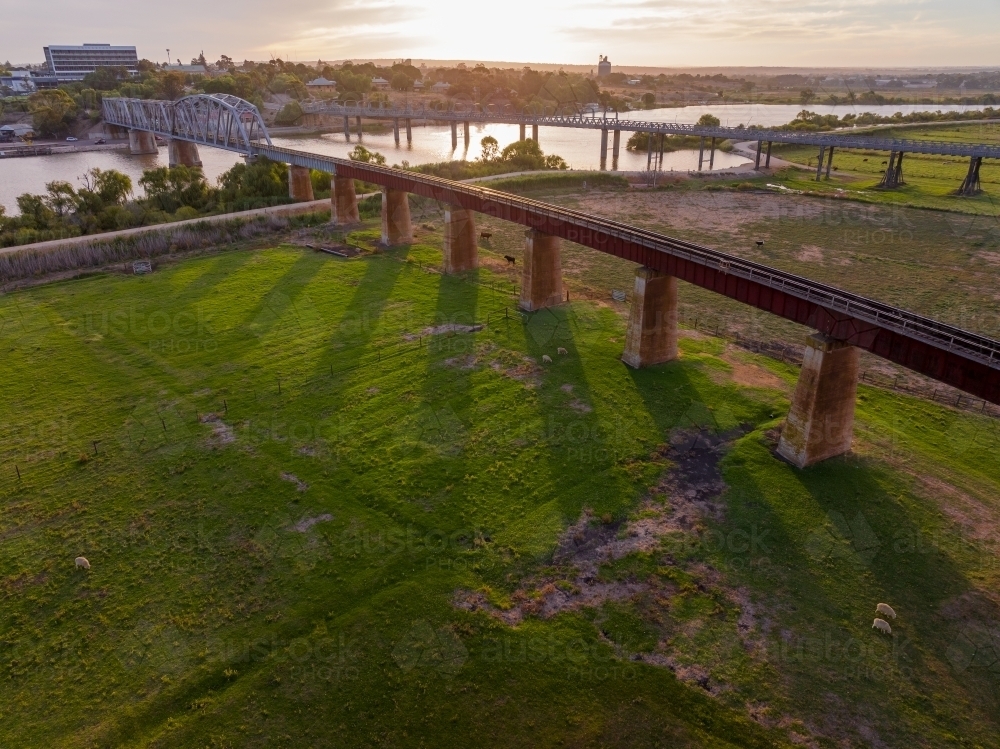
<point>931,181</point>
<point>286,488</point>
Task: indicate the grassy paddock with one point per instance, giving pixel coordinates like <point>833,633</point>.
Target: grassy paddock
<point>281,489</point>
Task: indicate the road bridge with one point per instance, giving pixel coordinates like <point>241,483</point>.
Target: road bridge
<point>710,136</point>
<point>820,423</point>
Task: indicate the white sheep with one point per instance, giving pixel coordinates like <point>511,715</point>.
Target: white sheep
<point>882,626</point>
<point>886,610</point>
<point>562,351</point>
<point>546,359</point>
<point>82,562</point>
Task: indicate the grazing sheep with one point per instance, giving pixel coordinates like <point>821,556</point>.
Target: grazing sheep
<point>546,359</point>
<point>886,610</point>
<point>82,562</point>
<point>882,626</point>
<point>561,350</point>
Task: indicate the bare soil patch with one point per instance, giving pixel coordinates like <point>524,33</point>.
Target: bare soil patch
<point>299,483</point>
<point>306,523</point>
<point>222,433</point>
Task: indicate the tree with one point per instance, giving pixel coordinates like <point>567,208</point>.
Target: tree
<point>104,187</point>
<point>172,188</point>
<point>289,114</point>
<point>491,150</point>
<point>709,120</point>
<point>649,100</point>
<point>62,198</point>
<point>105,79</point>
<point>806,95</point>
<point>52,111</point>
<point>401,82</point>
<point>172,85</point>
<point>362,154</point>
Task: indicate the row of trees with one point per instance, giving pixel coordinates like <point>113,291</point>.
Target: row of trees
<point>104,201</point>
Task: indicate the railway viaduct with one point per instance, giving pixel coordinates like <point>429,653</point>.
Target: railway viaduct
<point>821,418</point>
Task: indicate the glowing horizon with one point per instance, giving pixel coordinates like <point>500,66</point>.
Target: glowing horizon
<point>651,33</point>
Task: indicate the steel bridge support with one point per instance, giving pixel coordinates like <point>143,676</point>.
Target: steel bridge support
<point>711,156</point>
<point>756,161</point>
<point>396,226</point>
<point>183,153</point>
<point>522,132</point>
<point>141,142</point>
<point>829,162</point>
<point>820,424</point>
<point>971,185</point>
<point>409,130</point>
<point>347,127</point>
<point>701,153</point>
<point>454,135</point>
<point>767,162</point>
<point>461,252</point>
<point>395,129</point>
<point>819,163</point>
<point>468,137</point>
<point>345,201</point>
<point>541,274</point>
<point>300,186</point>
<point>616,148</point>
<point>534,133</point>
<point>357,121</point>
<point>651,337</point>
<point>893,176</point>
<point>604,149</point>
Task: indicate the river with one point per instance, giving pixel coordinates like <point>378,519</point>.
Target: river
<point>580,148</point>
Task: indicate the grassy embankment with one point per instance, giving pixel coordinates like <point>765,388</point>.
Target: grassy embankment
<point>279,513</point>
<point>931,181</point>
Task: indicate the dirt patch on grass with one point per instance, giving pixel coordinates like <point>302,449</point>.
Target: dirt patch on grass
<point>810,253</point>
<point>299,483</point>
<point>305,524</point>
<point>976,519</point>
<point>222,433</point>
<point>451,328</point>
<point>747,374</point>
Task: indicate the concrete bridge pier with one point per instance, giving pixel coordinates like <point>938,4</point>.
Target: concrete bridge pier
<point>357,121</point>
<point>141,142</point>
<point>468,137</point>
<point>396,227</point>
<point>522,132</point>
<point>971,184</point>
<point>461,252</point>
<point>409,130</point>
<point>183,153</point>
<point>345,201</point>
<point>616,148</point>
<point>711,156</point>
<point>454,135</point>
<point>651,336</point>
<point>604,149</point>
<point>756,161</point>
<point>767,162</point>
<point>395,130</point>
<point>820,424</point>
<point>347,127</point>
<point>300,186</point>
<point>541,272</point>
<point>829,162</point>
<point>534,133</point>
<point>701,153</point>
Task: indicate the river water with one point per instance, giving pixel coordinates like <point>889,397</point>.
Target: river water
<point>580,148</point>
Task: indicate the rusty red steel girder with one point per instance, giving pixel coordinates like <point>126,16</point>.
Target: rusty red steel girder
<point>972,367</point>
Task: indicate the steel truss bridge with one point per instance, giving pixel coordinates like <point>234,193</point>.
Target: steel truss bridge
<point>956,357</point>
<point>598,121</point>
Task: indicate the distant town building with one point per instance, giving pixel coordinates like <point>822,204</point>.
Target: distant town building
<point>440,87</point>
<point>19,81</point>
<point>10,132</point>
<point>380,83</point>
<point>72,63</point>
<point>603,66</point>
<point>186,69</point>
<point>320,85</point>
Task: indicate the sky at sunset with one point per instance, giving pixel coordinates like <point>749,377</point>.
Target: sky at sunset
<point>813,33</point>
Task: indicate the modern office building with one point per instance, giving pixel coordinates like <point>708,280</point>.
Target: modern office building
<point>72,63</point>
